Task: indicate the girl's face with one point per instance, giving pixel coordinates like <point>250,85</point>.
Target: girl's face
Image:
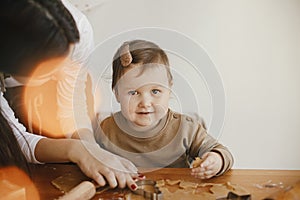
<point>144,94</point>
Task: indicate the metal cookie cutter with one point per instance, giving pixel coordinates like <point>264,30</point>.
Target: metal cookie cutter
<point>148,190</point>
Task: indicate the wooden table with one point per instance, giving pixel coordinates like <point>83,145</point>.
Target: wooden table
<point>42,175</point>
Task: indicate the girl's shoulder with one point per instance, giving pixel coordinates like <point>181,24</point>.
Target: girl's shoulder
<point>189,119</point>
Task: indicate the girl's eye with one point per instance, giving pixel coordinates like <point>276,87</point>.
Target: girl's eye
<point>132,92</point>
<point>155,91</point>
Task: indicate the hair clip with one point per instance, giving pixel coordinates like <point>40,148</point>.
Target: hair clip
<point>125,55</point>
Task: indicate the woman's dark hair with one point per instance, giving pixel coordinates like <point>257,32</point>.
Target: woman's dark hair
<point>10,151</point>
<point>31,31</point>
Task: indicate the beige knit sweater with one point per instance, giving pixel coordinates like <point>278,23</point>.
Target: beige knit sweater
<point>174,142</point>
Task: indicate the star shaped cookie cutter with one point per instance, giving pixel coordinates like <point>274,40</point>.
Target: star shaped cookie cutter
<point>149,190</point>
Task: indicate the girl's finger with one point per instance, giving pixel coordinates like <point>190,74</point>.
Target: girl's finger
<point>204,175</point>
<point>206,162</point>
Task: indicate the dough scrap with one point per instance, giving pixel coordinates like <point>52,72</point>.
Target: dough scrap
<point>189,190</point>
<point>68,181</point>
<point>187,184</point>
<point>219,191</point>
<point>173,182</point>
<point>197,162</point>
<point>160,183</point>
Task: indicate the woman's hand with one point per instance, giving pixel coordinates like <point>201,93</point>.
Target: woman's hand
<point>103,166</point>
<point>210,166</point>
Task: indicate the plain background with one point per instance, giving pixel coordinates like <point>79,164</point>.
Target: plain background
<point>255,46</point>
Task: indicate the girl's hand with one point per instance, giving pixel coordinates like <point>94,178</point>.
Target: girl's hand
<point>210,166</point>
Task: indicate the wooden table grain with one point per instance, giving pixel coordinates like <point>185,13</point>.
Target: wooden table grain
<point>252,180</point>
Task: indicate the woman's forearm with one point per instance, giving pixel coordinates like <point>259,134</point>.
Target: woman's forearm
<point>55,150</point>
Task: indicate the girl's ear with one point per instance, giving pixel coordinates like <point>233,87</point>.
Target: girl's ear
<point>116,95</point>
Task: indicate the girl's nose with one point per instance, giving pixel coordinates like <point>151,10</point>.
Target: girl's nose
<point>145,101</point>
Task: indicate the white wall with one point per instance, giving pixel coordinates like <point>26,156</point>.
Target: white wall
<point>254,44</point>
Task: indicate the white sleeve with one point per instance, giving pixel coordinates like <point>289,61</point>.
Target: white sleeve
<point>71,95</point>
<point>27,141</point>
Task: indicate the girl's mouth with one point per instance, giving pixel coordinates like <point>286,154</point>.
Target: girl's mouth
<point>144,113</point>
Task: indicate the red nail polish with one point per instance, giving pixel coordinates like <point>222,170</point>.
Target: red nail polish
<point>142,176</point>
<point>133,186</point>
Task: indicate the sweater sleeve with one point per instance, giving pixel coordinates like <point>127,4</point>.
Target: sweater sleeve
<point>203,142</point>
<point>27,141</point>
